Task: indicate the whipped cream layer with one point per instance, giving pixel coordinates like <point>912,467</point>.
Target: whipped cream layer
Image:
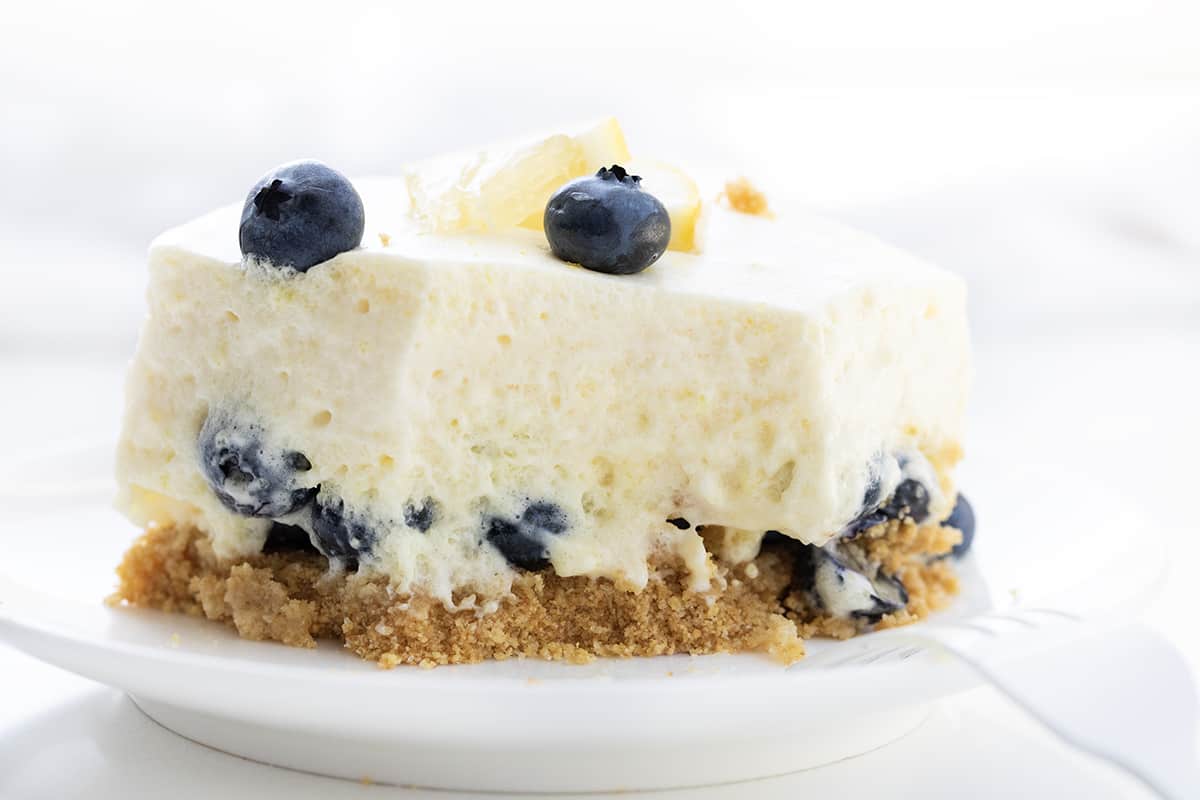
<point>755,386</point>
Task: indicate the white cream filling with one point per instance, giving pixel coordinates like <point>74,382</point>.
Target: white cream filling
<point>750,387</point>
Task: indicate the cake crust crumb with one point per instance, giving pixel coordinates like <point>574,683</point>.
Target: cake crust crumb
<point>744,197</point>
<point>293,598</point>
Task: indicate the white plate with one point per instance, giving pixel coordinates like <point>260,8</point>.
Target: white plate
<point>516,725</point>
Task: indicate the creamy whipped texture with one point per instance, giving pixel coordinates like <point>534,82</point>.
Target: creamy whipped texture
<point>753,386</point>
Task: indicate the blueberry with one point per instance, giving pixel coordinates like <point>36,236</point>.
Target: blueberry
<point>963,518</point>
<point>421,517</point>
<point>890,596</point>
<point>843,591</point>
<point>543,516</point>
<point>287,539</point>
<point>301,214</point>
<point>863,522</point>
<point>517,545</point>
<point>869,514</point>
<point>681,523</point>
<point>606,223</point>
<point>524,542</point>
<point>777,539</point>
<point>873,494</point>
<point>249,476</point>
<point>911,499</point>
<point>339,532</point>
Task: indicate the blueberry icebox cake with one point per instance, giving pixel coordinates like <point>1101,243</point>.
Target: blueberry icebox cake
<point>542,399</point>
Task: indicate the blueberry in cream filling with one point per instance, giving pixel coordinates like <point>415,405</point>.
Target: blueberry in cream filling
<point>341,533</point>
<point>898,486</point>
<point>248,473</point>
<point>843,588</point>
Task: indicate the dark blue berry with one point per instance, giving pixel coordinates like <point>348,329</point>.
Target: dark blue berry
<point>542,516</point>
<point>873,494</point>
<point>606,223</point>
<point>525,542</point>
<point>863,522</point>
<point>247,475</point>
<point>963,518</point>
<point>517,545</point>
<point>339,532</point>
<point>287,539</point>
<point>777,539</point>
<point>911,499</point>
<point>890,596</point>
<point>824,575</point>
<point>301,214</point>
<point>682,524</point>
<point>869,514</point>
<point>421,517</point>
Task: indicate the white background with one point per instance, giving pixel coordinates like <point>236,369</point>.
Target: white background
<point>1047,151</point>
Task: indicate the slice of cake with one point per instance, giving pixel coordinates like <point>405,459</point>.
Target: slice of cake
<point>406,415</point>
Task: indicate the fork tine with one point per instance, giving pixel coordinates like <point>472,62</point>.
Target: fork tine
<point>868,656</point>
<point>963,625</point>
<point>1054,612</point>
<point>880,655</point>
<point>1011,617</point>
<point>843,662</point>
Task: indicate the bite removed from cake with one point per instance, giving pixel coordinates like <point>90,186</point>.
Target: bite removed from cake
<point>446,443</point>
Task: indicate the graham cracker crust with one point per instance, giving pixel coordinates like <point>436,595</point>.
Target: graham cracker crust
<point>293,598</point>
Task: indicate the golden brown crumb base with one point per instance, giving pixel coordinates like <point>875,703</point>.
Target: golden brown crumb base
<point>291,597</point>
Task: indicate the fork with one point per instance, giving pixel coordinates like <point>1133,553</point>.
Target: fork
<point>1122,693</point>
